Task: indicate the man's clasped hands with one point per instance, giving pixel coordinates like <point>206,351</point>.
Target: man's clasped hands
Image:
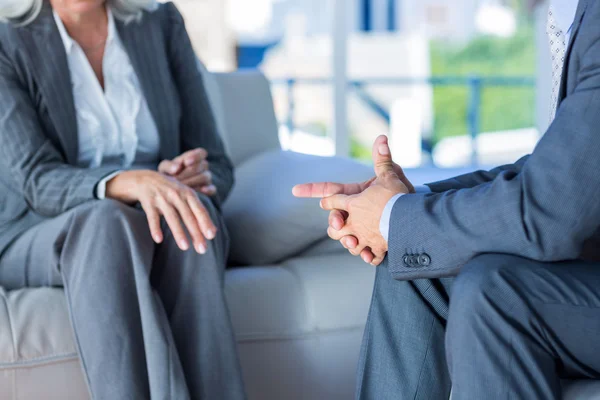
<point>356,208</point>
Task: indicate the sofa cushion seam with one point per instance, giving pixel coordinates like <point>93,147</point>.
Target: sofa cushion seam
<point>39,360</point>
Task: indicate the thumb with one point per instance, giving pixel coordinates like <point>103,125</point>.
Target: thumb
<point>382,158</point>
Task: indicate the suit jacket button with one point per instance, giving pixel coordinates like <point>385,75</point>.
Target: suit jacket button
<point>425,260</point>
<point>406,260</point>
<point>414,261</point>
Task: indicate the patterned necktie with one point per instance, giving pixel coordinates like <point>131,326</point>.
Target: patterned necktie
<point>558,48</point>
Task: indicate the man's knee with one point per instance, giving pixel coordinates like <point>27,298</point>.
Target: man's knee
<point>488,282</point>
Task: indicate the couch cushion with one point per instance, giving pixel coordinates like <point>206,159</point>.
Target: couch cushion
<point>38,357</point>
<point>266,222</point>
<point>38,327</point>
<point>321,302</point>
<point>299,297</point>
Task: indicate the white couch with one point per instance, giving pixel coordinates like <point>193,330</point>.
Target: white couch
<point>298,321</point>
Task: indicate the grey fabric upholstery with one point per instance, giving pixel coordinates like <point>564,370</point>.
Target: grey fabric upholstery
<point>299,323</point>
<point>247,113</point>
<point>283,225</point>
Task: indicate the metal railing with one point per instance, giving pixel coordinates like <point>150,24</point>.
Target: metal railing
<point>475,84</point>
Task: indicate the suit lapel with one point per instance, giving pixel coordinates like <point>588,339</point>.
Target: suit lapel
<point>574,31</point>
<point>49,62</point>
<point>143,45</point>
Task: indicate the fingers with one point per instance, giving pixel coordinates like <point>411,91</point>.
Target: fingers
<point>193,170</point>
<point>153,222</point>
<point>179,164</point>
<point>174,222</point>
<point>400,172</point>
<point>209,190</point>
<point>326,189</point>
<point>202,216</point>
<point>337,219</point>
<point>349,242</point>
<point>382,157</point>
<point>190,221</point>
<point>192,157</point>
<point>198,181</point>
<point>336,202</point>
<point>377,260</point>
<point>367,255</point>
<point>169,167</point>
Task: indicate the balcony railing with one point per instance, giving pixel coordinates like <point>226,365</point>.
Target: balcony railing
<point>475,84</point>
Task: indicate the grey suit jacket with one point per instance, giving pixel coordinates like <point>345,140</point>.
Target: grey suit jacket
<point>546,207</point>
<point>39,178</point>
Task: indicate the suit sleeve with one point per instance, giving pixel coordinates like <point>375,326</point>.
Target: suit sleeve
<point>476,178</point>
<point>49,185</point>
<point>545,212</point>
<point>198,125</point>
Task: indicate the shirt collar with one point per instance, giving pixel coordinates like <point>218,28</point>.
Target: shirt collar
<point>68,42</point>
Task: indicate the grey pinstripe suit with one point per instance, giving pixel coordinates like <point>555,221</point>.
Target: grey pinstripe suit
<point>150,321</point>
<point>524,309</point>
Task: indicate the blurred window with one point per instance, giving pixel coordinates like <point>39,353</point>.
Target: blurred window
<point>452,84</point>
<point>437,14</point>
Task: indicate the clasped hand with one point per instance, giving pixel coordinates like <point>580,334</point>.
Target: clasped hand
<point>356,209</point>
<point>192,169</point>
<point>172,192</point>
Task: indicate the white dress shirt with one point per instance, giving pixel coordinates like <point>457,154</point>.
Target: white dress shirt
<point>564,14</point>
<point>115,126</point>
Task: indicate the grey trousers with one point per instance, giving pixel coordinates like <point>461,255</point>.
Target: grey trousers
<point>505,328</point>
<point>150,321</point>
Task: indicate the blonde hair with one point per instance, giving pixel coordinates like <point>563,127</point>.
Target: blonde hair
<point>25,11</point>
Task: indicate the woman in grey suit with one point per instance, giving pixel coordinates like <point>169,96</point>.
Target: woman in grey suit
<point>112,175</point>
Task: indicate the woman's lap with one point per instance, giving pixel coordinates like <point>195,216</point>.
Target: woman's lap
<point>33,259</point>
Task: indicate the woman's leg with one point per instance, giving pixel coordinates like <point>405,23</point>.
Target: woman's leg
<point>102,254</point>
<point>191,288</point>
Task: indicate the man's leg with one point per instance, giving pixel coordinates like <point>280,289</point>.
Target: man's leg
<point>191,287</point>
<point>102,253</point>
<point>403,354</point>
<point>518,326</point>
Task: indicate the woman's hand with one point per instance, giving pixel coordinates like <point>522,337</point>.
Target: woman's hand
<point>161,195</point>
<point>192,169</point>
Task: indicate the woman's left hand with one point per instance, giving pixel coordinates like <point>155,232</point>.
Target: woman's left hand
<point>192,169</point>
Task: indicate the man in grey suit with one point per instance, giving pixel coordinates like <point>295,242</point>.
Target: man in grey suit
<point>491,282</point>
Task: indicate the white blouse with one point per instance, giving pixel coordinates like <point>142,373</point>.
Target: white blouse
<point>115,126</point>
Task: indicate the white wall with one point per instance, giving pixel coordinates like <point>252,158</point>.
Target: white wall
<point>206,22</point>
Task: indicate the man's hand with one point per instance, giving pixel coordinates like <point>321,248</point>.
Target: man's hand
<point>337,218</point>
<point>192,169</point>
<point>364,210</point>
<point>160,195</point>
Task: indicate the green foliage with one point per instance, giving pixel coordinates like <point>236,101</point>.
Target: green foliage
<point>359,151</point>
<point>501,107</point>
